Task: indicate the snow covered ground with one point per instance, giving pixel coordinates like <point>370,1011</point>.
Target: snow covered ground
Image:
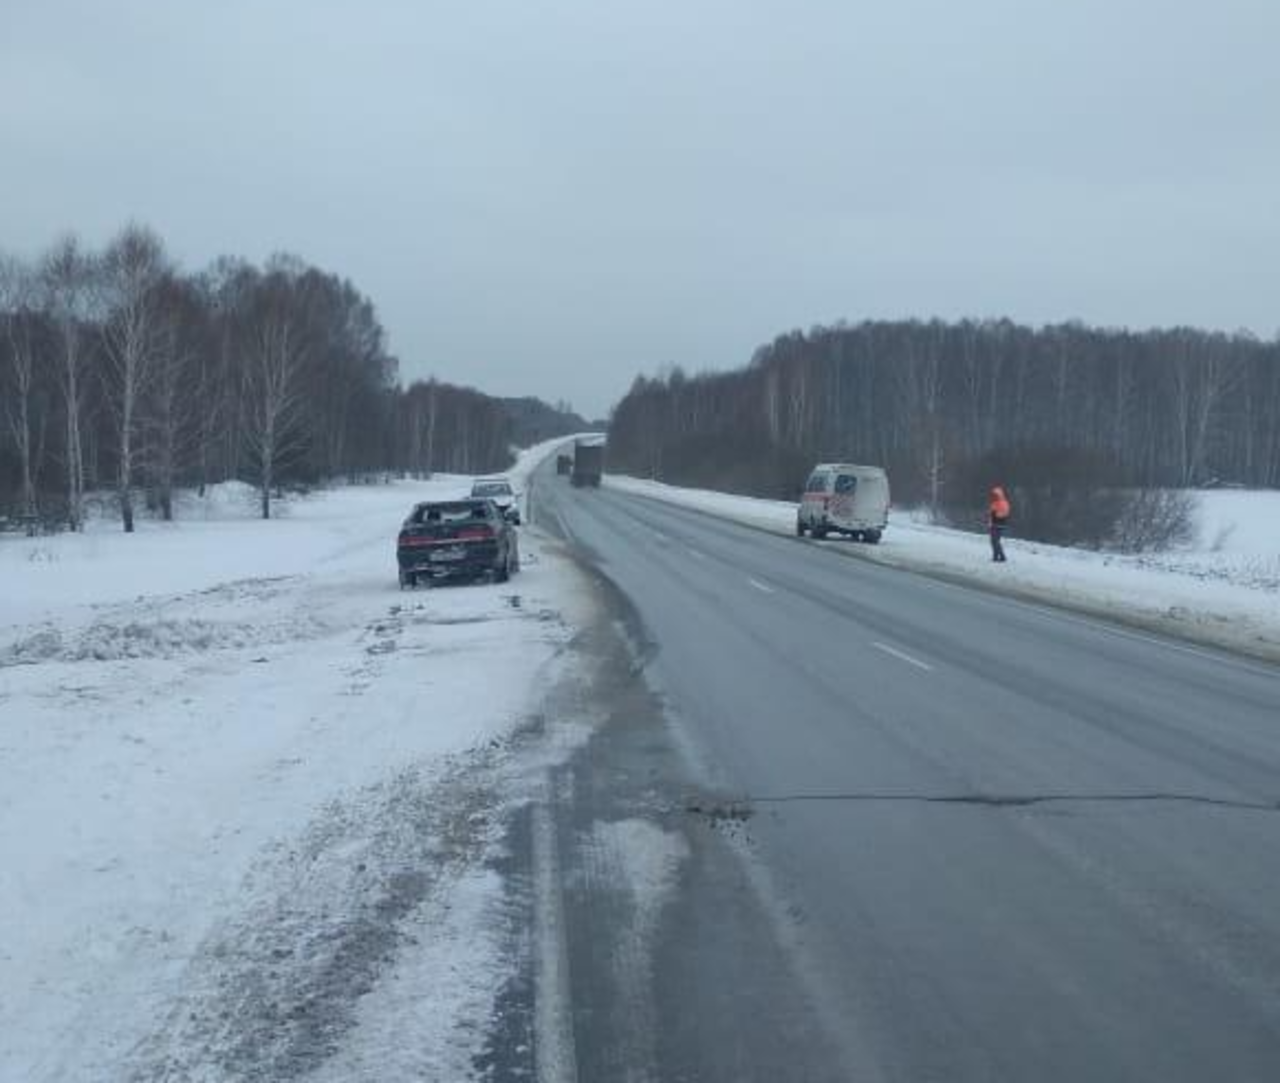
<point>1222,589</point>
<point>250,792</point>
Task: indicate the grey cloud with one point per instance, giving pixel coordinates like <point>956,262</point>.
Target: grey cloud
<point>546,198</point>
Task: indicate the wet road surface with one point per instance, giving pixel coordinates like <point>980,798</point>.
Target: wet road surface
<point>902,830</point>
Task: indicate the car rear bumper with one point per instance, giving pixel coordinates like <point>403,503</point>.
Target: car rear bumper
<point>478,559</point>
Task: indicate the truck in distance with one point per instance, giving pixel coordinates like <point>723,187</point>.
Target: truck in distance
<point>588,463</point>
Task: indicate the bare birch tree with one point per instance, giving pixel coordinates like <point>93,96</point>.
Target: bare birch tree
<point>176,389</point>
<point>67,277</point>
<point>275,351</point>
<point>132,269</point>
<point>430,437</point>
<point>18,318</point>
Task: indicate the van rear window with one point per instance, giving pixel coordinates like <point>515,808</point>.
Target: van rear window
<point>846,483</point>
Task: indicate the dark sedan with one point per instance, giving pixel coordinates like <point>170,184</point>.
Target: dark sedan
<point>457,539</point>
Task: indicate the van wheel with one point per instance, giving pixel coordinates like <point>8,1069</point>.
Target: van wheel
<point>799,528</point>
<point>871,537</point>
<point>818,531</point>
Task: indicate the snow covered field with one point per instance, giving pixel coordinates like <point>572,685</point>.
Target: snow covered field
<point>1223,589</point>
<point>250,793</point>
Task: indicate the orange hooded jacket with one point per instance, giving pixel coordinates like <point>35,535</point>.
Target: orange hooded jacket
<point>998,509</point>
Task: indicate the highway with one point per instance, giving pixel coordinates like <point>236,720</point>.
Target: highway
<point>979,840</point>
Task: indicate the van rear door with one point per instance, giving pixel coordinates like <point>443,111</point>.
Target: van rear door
<point>814,500</point>
<point>843,508</point>
<point>872,504</point>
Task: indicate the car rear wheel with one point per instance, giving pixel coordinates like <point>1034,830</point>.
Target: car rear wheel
<point>818,531</point>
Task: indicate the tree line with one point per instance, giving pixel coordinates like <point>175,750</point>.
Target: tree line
<point>943,404</point>
<point>120,372</point>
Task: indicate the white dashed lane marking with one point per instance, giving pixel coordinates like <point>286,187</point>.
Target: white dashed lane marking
<point>903,656</point>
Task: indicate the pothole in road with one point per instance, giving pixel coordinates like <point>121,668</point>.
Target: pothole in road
<point>721,811</point>
<point>728,818</point>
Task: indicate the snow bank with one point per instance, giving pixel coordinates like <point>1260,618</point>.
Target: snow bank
<point>217,538</point>
<point>225,500</point>
<point>1224,589</point>
<point>250,793</point>
<point>1239,522</point>
<point>104,641</point>
<point>41,577</point>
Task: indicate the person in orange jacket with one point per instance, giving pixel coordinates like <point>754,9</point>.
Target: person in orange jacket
<point>997,519</point>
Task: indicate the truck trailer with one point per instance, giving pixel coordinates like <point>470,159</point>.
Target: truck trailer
<point>588,464</point>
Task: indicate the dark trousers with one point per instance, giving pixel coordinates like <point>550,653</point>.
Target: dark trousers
<point>997,542</point>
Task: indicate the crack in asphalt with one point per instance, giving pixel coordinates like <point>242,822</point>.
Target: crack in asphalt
<point>744,808</point>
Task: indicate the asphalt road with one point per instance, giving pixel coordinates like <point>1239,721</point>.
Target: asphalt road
<point>989,841</point>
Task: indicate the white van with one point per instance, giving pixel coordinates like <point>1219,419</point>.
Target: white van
<point>846,499</point>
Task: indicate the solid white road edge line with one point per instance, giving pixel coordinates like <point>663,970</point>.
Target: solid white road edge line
<point>902,656</point>
<point>554,1053</point>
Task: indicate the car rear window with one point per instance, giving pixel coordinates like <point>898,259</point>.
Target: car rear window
<point>491,488</point>
<point>450,513</point>
<point>817,484</point>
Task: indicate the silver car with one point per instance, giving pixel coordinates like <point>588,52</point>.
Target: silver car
<point>499,490</point>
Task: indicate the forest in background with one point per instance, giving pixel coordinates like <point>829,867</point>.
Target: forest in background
<point>1070,417</point>
<point>121,373</point>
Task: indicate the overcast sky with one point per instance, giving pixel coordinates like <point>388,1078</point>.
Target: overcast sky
<point>549,197</point>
